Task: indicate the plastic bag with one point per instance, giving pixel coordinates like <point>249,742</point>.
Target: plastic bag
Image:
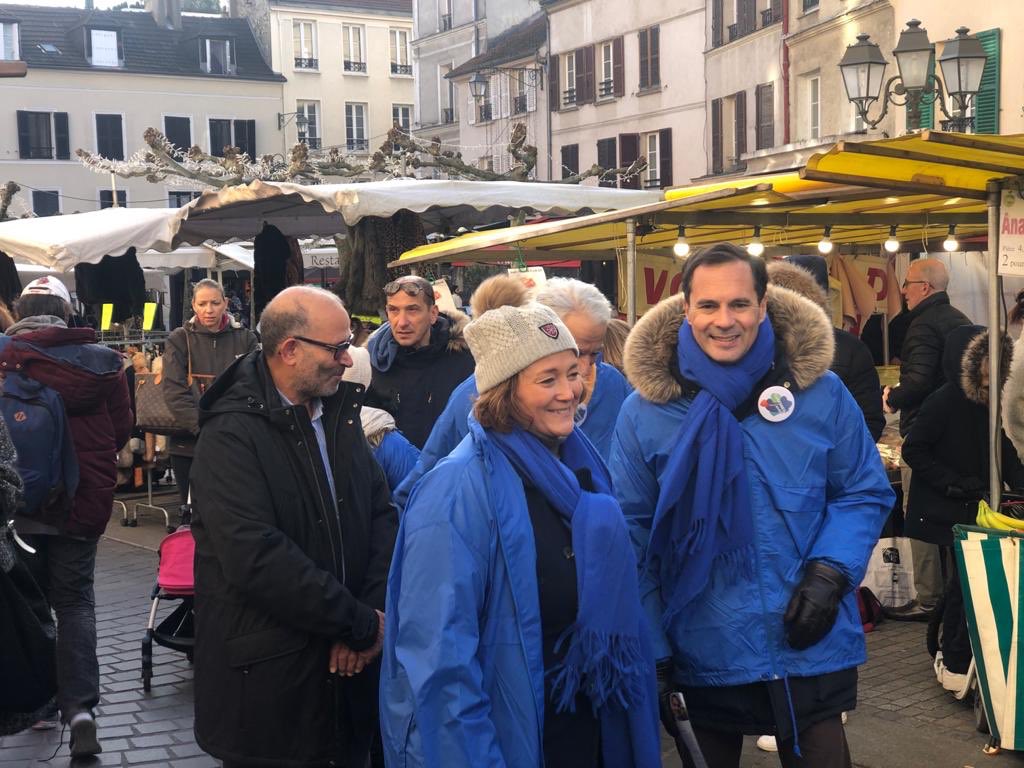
<point>890,573</point>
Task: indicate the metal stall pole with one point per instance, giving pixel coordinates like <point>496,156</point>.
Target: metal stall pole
<point>631,270</point>
<point>993,189</point>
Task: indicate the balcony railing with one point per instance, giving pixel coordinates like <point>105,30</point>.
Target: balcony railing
<point>485,114</point>
<point>401,69</point>
<point>606,88</point>
<point>446,22</point>
<point>769,17</point>
<point>355,66</point>
<point>36,152</point>
<point>652,183</point>
<point>569,97</point>
<point>357,145</point>
<point>519,105</point>
<point>304,63</point>
<point>313,142</point>
<point>448,115</point>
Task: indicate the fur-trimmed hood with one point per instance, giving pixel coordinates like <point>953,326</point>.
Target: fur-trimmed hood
<point>975,360</point>
<point>796,278</point>
<point>803,334</point>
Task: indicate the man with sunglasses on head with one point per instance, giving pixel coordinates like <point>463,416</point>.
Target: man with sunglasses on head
<point>932,317</point>
<point>419,356</point>
<point>294,530</point>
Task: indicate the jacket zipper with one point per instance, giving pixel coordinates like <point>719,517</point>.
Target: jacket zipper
<point>320,498</point>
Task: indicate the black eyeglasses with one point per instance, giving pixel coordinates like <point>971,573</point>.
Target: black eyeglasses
<point>337,350</point>
<point>411,286</point>
<point>911,282</point>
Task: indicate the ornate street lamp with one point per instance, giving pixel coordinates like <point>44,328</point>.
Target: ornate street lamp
<point>478,87</point>
<point>962,62</point>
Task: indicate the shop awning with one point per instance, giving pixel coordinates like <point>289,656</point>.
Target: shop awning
<point>921,184</point>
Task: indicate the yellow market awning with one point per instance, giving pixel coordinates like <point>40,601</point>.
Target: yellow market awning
<point>921,184</point>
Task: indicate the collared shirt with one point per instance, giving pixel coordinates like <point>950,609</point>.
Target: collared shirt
<point>316,417</point>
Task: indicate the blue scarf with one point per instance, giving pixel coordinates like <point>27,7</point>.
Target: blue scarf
<point>384,349</point>
<point>607,655</point>
<point>702,523</point>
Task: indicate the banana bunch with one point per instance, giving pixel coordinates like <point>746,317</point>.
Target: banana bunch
<point>989,518</point>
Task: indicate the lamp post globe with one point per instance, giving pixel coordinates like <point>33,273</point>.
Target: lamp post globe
<point>863,70</point>
<point>914,55</point>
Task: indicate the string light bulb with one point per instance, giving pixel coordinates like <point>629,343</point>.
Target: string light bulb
<point>951,244</point>
<point>755,247</point>
<point>825,245</point>
<point>681,248</point>
<point>892,245</point>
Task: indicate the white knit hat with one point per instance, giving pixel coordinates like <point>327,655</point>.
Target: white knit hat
<point>360,372</point>
<point>507,340</point>
<point>47,286</point>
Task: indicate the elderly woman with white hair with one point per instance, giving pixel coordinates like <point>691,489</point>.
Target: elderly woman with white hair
<point>586,313</point>
<point>395,454</point>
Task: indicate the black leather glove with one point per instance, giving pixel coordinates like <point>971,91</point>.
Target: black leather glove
<point>663,670</point>
<point>814,606</point>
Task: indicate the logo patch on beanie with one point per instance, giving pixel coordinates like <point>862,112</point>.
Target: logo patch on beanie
<point>550,330</point>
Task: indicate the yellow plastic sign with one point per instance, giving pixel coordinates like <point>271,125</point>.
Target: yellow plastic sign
<point>148,315</point>
<point>106,317</point>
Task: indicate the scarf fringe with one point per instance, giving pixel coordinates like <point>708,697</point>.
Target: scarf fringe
<point>609,668</point>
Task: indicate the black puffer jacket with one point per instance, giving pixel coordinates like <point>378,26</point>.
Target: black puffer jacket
<point>212,352</point>
<point>280,575</point>
<point>414,385</point>
<point>947,446</point>
<point>853,364</point>
<point>921,366</point>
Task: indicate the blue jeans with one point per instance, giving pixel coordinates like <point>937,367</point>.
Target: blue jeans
<point>64,568</point>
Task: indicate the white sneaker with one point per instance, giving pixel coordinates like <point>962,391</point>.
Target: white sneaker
<point>767,744</point>
<point>844,718</point>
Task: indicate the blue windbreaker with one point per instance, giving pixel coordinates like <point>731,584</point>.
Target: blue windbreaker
<point>610,391</point>
<point>818,489</point>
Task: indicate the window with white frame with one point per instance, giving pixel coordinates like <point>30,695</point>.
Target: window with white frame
<point>606,85</point>
<point>813,107</point>
<point>356,139</point>
<point>104,47</point>
<point>401,116</point>
<point>445,20</point>
<point>217,56</point>
<point>400,64</point>
<point>569,91</point>
<point>447,88</point>
<point>45,202</point>
<point>304,42</point>
<point>107,199</point>
<point>179,197</point>
<point>355,58</point>
<point>309,132</point>
<point>652,176</point>
<point>9,41</point>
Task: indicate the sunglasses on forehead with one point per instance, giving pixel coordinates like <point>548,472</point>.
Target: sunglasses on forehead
<point>337,350</point>
<point>411,287</point>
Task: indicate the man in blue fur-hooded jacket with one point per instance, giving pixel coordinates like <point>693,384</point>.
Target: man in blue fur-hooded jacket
<point>754,496</point>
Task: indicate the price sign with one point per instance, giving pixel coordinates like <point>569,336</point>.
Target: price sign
<point>1011,234</point>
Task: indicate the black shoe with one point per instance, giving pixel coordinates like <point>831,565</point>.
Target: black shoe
<point>83,736</point>
<point>912,611</point>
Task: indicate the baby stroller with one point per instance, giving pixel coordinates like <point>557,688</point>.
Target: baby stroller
<point>174,581</point>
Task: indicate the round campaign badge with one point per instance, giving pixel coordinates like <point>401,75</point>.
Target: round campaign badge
<point>776,403</point>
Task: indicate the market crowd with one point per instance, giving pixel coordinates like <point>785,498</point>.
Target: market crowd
<point>511,540</point>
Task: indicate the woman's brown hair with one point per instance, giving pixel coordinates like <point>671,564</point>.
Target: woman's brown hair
<point>498,407</point>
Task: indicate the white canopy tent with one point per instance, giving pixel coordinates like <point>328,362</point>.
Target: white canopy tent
<point>240,213</point>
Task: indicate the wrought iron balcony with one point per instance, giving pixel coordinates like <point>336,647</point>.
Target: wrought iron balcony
<point>769,17</point>
<point>519,105</point>
<point>313,142</point>
<point>448,115</point>
<point>606,88</point>
<point>355,66</point>
<point>569,97</point>
<point>486,113</point>
<point>401,69</point>
<point>357,145</point>
<point>304,63</point>
<point>446,22</point>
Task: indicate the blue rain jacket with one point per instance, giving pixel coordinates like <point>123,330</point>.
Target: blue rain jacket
<point>818,489</point>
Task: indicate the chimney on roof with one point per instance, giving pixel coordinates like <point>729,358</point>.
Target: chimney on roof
<point>166,13</point>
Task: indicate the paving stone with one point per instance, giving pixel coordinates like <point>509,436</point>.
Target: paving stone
<point>147,755</point>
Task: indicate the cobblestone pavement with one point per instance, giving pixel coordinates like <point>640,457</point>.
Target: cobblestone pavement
<point>904,718</point>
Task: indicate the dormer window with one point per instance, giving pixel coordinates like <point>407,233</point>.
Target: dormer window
<point>217,56</point>
<point>104,48</point>
<point>9,41</point>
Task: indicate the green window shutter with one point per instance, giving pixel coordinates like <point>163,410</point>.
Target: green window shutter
<point>986,104</point>
<point>927,109</point>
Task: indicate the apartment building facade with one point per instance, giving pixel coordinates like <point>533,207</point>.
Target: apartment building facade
<point>348,69</point>
<point>512,100</point>
<point>97,80</point>
<point>625,81</point>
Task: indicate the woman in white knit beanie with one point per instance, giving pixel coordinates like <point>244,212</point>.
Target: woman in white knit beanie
<point>514,632</point>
